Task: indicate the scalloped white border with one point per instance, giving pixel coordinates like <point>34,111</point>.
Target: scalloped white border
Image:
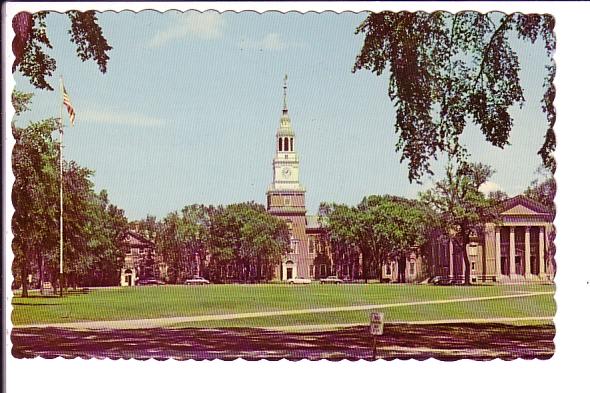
<point>565,369</point>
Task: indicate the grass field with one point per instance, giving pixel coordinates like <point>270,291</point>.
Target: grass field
<point>178,301</point>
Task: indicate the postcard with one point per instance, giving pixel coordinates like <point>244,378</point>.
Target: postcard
<point>209,185</point>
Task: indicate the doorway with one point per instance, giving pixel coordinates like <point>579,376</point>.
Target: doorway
<point>519,267</point>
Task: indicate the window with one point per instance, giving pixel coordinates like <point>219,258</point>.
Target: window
<point>311,245</point>
<point>294,246</point>
<point>280,144</point>
<point>129,251</point>
<point>387,269</point>
<point>290,225</point>
<point>291,144</point>
<point>322,270</point>
<point>473,266</point>
<point>472,250</point>
<point>412,268</point>
<point>253,271</point>
<point>311,271</point>
<point>286,144</point>
<point>287,200</point>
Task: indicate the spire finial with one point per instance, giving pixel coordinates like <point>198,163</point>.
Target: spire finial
<point>285,94</point>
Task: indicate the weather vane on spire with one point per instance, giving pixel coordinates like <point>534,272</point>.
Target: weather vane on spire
<point>285,93</point>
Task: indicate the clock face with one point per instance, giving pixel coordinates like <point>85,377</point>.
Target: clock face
<point>286,171</point>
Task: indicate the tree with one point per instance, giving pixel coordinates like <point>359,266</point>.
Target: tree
<point>34,193</point>
<point>245,237</point>
<point>448,69</point>
<point>31,41</point>
<point>93,228</point>
<point>339,222</point>
<point>381,227</point>
<point>543,189</point>
<point>106,228</point>
<point>181,241</point>
<point>462,209</point>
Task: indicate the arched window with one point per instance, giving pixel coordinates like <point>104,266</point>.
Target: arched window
<point>286,144</point>
<point>280,144</point>
<point>291,144</point>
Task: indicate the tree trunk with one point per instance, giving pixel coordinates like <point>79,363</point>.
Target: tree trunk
<point>24,273</point>
<point>466,264</point>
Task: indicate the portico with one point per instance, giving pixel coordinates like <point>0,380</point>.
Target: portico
<point>521,239</point>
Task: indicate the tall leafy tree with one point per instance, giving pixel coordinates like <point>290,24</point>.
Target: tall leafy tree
<point>181,241</point>
<point>447,69</point>
<point>246,237</point>
<point>340,223</point>
<point>381,227</point>
<point>34,193</point>
<point>93,228</point>
<point>462,209</point>
<point>106,228</point>
<point>543,189</point>
<point>31,42</point>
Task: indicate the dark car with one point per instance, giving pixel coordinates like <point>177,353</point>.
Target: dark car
<point>149,281</point>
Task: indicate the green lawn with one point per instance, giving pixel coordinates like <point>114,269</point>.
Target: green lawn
<point>172,301</point>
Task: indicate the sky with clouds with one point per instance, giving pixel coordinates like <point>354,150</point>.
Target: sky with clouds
<point>189,107</point>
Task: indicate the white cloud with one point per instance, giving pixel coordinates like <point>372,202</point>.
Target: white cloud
<point>271,41</point>
<point>196,25</point>
<point>488,187</point>
<point>118,118</point>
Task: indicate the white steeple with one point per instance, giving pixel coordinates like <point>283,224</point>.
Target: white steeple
<point>286,162</point>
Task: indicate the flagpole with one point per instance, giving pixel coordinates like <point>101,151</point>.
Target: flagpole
<point>61,192</point>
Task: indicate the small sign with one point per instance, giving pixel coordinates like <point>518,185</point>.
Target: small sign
<point>376,323</point>
<point>46,287</point>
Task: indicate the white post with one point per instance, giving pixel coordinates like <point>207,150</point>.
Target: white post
<point>527,252</point>
<point>512,253</point>
<point>451,259</point>
<point>498,254</point>
<point>542,270</point>
<point>61,192</point>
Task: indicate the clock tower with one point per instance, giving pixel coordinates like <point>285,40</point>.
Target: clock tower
<point>286,196</point>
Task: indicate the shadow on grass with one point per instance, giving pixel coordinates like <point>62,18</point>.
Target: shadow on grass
<point>444,341</point>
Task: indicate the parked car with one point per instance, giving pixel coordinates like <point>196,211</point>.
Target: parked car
<point>331,280</point>
<point>149,281</point>
<point>299,280</point>
<point>440,280</point>
<point>197,281</point>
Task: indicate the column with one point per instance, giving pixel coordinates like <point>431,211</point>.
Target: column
<point>542,270</point>
<point>498,254</point>
<point>451,259</point>
<point>512,253</point>
<point>528,269</point>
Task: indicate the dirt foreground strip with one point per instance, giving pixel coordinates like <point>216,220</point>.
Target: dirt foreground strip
<point>403,341</point>
<point>162,322</point>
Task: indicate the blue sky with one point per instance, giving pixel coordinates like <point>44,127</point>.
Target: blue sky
<point>189,106</point>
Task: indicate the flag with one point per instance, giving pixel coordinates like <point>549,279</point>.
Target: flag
<point>68,104</point>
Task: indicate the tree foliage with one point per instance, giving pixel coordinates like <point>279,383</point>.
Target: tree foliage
<point>543,189</point>
<point>462,209</point>
<point>382,228</point>
<point>247,238</point>
<point>31,42</point>
<point>93,228</point>
<point>448,69</point>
